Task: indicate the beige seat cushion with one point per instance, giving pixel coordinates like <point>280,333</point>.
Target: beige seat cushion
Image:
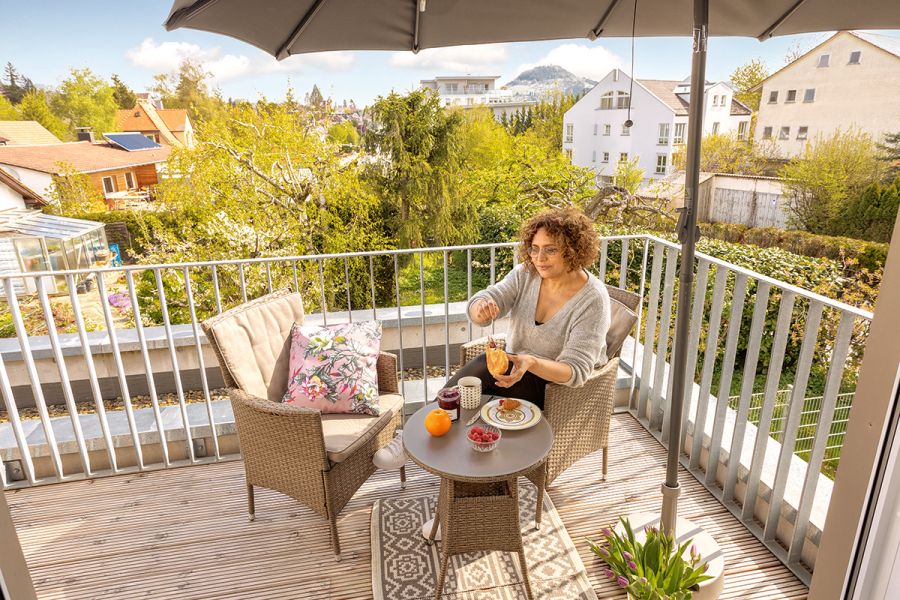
<point>345,433</point>
<point>621,320</point>
<point>255,344</point>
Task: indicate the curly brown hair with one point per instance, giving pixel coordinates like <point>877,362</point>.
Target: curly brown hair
<point>572,230</point>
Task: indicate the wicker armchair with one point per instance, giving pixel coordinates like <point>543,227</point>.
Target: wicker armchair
<point>580,417</point>
<point>319,460</point>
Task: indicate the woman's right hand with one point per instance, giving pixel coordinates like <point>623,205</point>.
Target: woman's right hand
<point>485,310</point>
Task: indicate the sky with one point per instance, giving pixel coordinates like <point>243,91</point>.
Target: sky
<point>44,39</point>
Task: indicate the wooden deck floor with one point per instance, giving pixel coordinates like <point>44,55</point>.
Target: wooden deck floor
<point>184,533</point>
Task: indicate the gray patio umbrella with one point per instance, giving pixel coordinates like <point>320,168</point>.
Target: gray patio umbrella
<point>286,27</point>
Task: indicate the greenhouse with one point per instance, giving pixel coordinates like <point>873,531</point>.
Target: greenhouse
<point>32,241</point>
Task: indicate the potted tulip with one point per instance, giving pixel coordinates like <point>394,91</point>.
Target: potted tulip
<point>655,568</point>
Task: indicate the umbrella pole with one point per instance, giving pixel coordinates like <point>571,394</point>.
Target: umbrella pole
<point>687,234</point>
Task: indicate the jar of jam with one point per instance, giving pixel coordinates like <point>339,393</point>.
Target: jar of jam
<point>448,399</point>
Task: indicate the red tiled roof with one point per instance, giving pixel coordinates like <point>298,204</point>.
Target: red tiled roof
<point>174,118</point>
<point>26,133</point>
<point>134,119</point>
<point>84,157</point>
<point>738,109</point>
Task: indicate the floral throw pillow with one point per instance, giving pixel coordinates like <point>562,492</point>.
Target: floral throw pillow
<point>333,368</point>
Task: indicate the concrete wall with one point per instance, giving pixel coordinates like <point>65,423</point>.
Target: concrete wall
<point>863,95</point>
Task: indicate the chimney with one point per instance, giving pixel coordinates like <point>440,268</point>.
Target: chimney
<point>84,134</point>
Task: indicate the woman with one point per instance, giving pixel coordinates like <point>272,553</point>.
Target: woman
<point>558,312</point>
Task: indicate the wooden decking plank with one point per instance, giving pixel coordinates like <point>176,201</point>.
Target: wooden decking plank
<point>183,533</point>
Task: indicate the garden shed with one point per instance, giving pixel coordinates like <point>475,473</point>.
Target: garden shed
<point>32,241</point>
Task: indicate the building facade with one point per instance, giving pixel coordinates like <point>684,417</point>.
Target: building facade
<point>478,91</point>
<point>852,80</point>
<point>595,135</point>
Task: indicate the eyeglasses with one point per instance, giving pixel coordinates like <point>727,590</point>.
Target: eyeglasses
<point>549,252</point>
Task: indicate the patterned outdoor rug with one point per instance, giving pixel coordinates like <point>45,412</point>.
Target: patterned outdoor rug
<point>404,567</point>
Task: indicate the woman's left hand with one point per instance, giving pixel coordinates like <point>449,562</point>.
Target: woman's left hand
<point>521,364</point>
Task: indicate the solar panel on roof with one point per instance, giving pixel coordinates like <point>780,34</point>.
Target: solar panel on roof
<point>131,142</point>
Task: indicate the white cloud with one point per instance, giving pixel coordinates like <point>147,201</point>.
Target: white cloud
<point>593,62</point>
<point>167,56</point>
<point>457,59</point>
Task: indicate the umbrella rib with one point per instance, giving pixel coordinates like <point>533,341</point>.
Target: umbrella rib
<point>598,29</point>
<point>284,51</point>
<point>183,14</point>
<point>415,46</point>
<point>769,32</point>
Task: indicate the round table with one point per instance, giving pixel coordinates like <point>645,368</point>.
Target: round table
<point>467,475</point>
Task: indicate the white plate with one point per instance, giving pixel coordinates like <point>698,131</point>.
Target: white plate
<point>525,416</point>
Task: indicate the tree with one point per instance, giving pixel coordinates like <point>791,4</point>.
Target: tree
<point>344,134</point>
<point>831,171</point>
<point>34,107</point>
<point>15,85</point>
<point>188,89</point>
<point>725,153</point>
<point>85,100</point>
<point>123,95</point>
<point>870,215</point>
<point>315,97</point>
<point>889,152</point>
<point>746,77</point>
<point>628,175</point>
<point>72,193</point>
<point>418,139</point>
<point>8,112</point>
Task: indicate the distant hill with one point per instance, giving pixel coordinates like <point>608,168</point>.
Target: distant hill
<point>547,80</point>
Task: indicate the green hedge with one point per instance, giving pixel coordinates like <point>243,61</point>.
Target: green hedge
<point>871,255</point>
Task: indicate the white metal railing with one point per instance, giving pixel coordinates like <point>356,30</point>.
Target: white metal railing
<point>735,435</point>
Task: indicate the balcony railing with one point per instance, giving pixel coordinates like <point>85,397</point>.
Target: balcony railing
<point>762,451</point>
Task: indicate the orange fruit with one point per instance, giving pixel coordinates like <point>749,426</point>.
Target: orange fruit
<point>437,422</point>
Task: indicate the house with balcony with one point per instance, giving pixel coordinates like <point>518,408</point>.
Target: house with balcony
<point>595,135</point>
<point>851,80</point>
<point>478,91</point>
<point>116,173</point>
<point>169,126</point>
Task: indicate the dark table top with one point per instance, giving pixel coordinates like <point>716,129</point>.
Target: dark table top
<point>452,456</point>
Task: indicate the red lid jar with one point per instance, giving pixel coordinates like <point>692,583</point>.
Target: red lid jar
<point>448,399</point>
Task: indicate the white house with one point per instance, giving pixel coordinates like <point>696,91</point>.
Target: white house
<point>470,91</point>
<point>850,80</point>
<point>595,135</point>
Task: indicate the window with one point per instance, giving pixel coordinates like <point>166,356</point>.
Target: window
<point>129,180</point>
<point>773,97</point>
<point>660,164</point>
<point>594,156</point>
<point>785,133</point>
<point>679,133</point>
<point>823,60</point>
<point>715,100</point>
<point>623,100</point>
<point>606,157</point>
<point>623,157</point>
<point>742,130</point>
<point>715,128</point>
<point>109,185</point>
<point>152,136</point>
<point>767,133</point>
<point>791,96</point>
<point>607,129</point>
<point>595,129</point>
<point>802,132</point>
<point>569,154</point>
<point>570,132</point>
<point>663,134</point>
<point>626,130</point>
<point>854,57</point>
<point>809,95</point>
<point>606,101</point>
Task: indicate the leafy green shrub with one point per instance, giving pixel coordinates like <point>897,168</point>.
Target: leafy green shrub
<point>871,255</point>
<point>871,215</point>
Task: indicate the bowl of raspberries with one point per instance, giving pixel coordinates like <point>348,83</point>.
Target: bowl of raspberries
<point>483,438</point>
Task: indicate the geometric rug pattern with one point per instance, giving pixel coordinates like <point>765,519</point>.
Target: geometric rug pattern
<point>404,567</point>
